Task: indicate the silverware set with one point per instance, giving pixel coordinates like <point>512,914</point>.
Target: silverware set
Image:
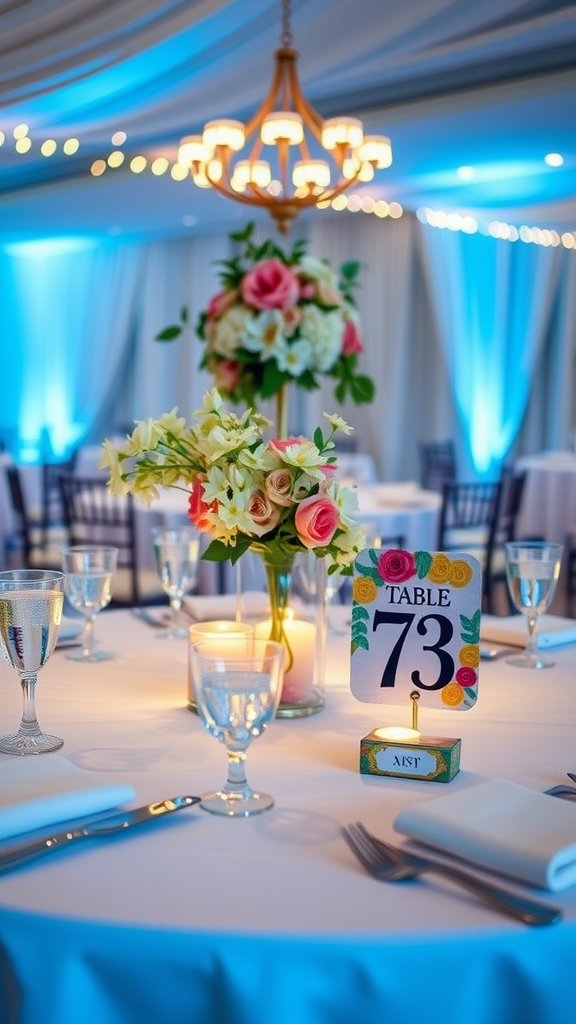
<point>31,849</point>
<point>390,864</point>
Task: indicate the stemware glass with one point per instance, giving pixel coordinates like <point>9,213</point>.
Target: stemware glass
<point>532,570</point>
<point>31,603</point>
<point>177,553</point>
<point>237,686</point>
<point>89,570</point>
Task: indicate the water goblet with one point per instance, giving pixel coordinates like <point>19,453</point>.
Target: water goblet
<point>89,570</point>
<point>177,552</point>
<point>237,685</point>
<point>217,629</point>
<point>31,603</point>
<point>532,570</point>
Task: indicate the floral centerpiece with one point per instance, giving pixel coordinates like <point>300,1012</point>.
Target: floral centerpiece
<point>280,497</point>
<point>280,318</point>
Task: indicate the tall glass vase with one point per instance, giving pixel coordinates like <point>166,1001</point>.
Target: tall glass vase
<point>297,619</point>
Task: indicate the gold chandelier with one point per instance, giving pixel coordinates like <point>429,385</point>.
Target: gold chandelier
<point>284,124</point>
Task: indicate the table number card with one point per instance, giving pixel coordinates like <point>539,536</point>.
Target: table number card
<point>416,627</point>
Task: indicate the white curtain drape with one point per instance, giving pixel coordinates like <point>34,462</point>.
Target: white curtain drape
<point>467,338</point>
<point>413,398</point>
<point>162,375</point>
<point>493,303</point>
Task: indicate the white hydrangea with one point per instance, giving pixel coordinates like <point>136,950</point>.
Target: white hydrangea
<point>324,332</point>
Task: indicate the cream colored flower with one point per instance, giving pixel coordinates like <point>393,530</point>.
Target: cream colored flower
<point>232,510</point>
<point>345,499</point>
<point>265,334</point>
<point>324,331</point>
<point>337,423</point>
<point>278,485</point>
<point>171,423</point>
<point>231,331</point>
<point>295,358</point>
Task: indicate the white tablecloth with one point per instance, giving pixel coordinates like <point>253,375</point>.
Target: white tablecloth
<point>270,920</point>
<point>549,499</point>
<point>402,508</point>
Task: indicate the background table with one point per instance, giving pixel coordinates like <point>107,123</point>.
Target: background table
<point>402,508</point>
<point>271,920</point>
<point>549,500</point>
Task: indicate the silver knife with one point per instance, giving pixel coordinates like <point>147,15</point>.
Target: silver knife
<point>111,825</point>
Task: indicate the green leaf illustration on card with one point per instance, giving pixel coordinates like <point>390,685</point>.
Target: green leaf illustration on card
<point>423,561</point>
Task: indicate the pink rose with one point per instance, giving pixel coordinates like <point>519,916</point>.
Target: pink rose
<point>466,676</point>
<point>220,303</point>
<point>270,285</point>
<point>280,444</point>
<point>197,507</point>
<point>396,566</point>
<point>306,290</point>
<point>352,342</point>
<point>265,516</point>
<point>316,521</point>
<point>227,373</point>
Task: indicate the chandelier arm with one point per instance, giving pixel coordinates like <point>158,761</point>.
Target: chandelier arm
<point>312,118</point>
<point>270,101</point>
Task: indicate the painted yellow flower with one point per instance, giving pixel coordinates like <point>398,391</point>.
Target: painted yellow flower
<point>439,571</point>
<point>452,695</point>
<point>469,655</point>
<point>364,590</point>
<point>460,573</point>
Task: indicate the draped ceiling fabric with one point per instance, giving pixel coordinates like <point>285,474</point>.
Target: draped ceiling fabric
<point>159,70</point>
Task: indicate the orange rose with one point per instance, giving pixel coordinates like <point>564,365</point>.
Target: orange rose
<point>460,573</point>
<point>439,571</point>
<point>364,590</point>
<point>452,695</point>
<point>469,655</point>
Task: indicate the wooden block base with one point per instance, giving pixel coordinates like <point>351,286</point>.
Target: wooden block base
<point>430,758</point>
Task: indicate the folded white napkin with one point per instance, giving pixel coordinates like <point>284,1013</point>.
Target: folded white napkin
<point>503,827</point>
<point>42,791</point>
<point>223,606</point>
<point>551,630</point>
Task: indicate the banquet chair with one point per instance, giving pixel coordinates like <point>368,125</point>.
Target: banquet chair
<point>28,547</point>
<point>52,513</point>
<point>468,517</point>
<point>96,516</point>
<point>437,464</point>
<point>503,530</point>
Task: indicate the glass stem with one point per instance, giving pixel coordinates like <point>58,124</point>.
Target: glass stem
<point>29,724</point>
<point>88,642</point>
<point>175,605</point>
<point>236,781</point>
<point>531,652</point>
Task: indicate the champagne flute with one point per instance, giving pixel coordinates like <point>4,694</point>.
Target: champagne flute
<point>89,570</point>
<point>237,686</point>
<point>532,570</point>
<point>177,552</point>
<point>31,603</point>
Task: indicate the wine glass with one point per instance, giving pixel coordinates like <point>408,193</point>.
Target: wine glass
<point>177,552</point>
<point>31,603</point>
<point>532,570</point>
<point>237,686</point>
<point>218,629</point>
<point>89,570</point>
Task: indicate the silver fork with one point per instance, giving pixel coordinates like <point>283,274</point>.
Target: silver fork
<point>390,864</point>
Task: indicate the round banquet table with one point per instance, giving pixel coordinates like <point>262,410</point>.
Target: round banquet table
<point>270,920</point>
<point>402,508</point>
<point>549,500</point>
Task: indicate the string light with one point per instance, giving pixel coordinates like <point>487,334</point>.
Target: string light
<point>498,229</point>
